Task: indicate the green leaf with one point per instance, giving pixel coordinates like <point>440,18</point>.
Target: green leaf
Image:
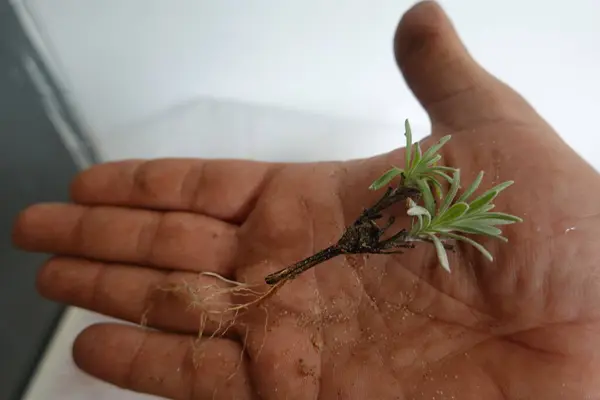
<point>417,210</point>
<point>444,168</point>
<point>495,218</point>
<point>499,215</point>
<point>451,192</point>
<point>456,211</point>
<point>492,221</point>
<point>483,209</point>
<point>488,196</point>
<point>441,252</point>
<point>417,156</point>
<point>502,186</point>
<point>473,243</point>
<point>427,196</point>
<point>471,188</point>
<point>420,211</point>
<point>475,227</point>
<point>482,227</point>
<point>386,178</point>
<point>419,225</point>
<point>433,160</point>
<point>439,192</point>
<point>431,172</point>
<point>408,134</point>
<point>482,201</point>
<point>434,149</point>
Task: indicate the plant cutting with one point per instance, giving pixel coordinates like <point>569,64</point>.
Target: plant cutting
<point>438,217</point>
<point>441,220</point>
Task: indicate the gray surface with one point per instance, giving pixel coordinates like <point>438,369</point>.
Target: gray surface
<point>34,166</point>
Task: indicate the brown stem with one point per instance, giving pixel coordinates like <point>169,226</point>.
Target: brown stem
<point>301,266</point>
<point>390,197</point>
<point>363,236</point>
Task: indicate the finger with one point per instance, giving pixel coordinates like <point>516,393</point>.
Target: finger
<point>223,189</point>
<point>174,240</point>
<point>175,301</point>
<point>452,87</point>
<point>161,364</point>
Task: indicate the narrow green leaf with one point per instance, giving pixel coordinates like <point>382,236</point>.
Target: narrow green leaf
<point>444,168</point>
<point>443,175</point>
<point>488,196</point>
<point>500,215</point>
<point>484,209</point>
<point>427,196</point>
<point>482,201</point>
<point>502,218</point>
<point>419,224</point>
<point>453,213</point>
<point>439,192</point>
<point>492,221</point>
<point>502,186</point>
<point>423,212</point>
<point>479,225</point>
<point>417,210</point>
<point>451,192</point>
<point>435,148</point>
<point>441,252</point>
<point>408,134</point>
<point>473,243</point>
<point>386,178</point>
<point>475,227</point>
<point>416,157</point>
<point>431,161</point>
<point>426,221</point>
<point>472,188</point>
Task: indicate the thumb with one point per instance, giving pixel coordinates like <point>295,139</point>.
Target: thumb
<point>453,88</point>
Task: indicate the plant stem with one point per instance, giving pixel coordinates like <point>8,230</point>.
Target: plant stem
<point>362,237</point>
<point>391,197</point>
<point>301,266</point>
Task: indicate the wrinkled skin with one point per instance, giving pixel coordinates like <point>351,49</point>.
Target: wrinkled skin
<point>378,327</point>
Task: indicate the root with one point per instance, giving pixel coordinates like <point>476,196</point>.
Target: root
<point>211,304</point>
<point>241,359</point>
<point>221,303</point>
<point>210,299</point>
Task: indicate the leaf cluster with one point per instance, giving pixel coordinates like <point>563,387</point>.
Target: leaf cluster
<point>446,216</point>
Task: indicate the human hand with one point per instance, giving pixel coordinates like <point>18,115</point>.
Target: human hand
<point>378,327</point>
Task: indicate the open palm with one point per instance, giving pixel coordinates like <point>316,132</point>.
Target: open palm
<point>358,327</point>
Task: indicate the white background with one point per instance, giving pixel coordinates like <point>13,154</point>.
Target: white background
<point>268,79</point>
<point>124,61</point>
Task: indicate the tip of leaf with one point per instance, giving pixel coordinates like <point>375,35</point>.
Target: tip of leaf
<point>445,139</point>
<point>418,210</point>
<point>441,252</point>
<point>445,264</point>
<point>386,178</point>
<point>503,186</point>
